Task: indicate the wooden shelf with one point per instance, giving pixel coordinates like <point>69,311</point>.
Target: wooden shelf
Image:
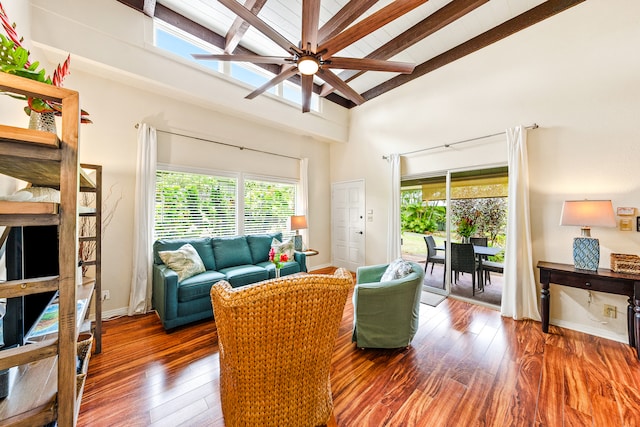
<point>28,136</point>
<point>21,208</point>
<point>42,387</point>
<point>32,397</point>
<point>83,297</point>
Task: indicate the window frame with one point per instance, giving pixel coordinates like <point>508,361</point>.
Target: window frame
<point>241,178</point>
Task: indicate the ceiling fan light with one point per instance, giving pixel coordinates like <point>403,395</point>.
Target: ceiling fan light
<point>308,65</point>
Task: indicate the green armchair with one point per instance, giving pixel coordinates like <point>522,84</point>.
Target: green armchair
<point>385,314</point>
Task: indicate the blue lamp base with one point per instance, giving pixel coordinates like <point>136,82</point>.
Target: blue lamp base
<point>297,242</point>
<point>586,253</point>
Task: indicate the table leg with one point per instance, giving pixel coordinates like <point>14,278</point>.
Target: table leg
<point>636,322</point>
<point>631,323</point>
<point>544,300</point>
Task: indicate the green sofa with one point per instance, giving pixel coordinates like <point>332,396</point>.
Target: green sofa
<point>385,314</point>
<point>240,260</point>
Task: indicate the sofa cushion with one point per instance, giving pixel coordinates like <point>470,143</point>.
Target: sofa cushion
<point>201,244</point>
<point>231,251</point>
<point>283,247</point>
<point>259,244</point>
<point>397,270</point>
<point>198,286</point>
<point>242,275</point>
<point>185,261</point>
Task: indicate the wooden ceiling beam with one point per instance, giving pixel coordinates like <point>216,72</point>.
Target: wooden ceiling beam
<point>345,16</point>
<point>368,25</point>
<point>432,23</point>
<point>532,16</point>
<point>240,26</point>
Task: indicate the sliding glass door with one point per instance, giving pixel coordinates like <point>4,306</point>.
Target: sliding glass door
<point>453,207</point>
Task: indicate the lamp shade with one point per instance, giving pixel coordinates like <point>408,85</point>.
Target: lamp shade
<point>298,222</point>
<point>588,213</point>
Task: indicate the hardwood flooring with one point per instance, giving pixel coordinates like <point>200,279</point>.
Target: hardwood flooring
<point>467,366</point>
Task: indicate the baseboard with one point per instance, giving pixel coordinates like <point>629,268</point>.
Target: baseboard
<point>106,315</point>
<point>598,332</point>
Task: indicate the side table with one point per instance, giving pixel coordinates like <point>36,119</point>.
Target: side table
<point>602,280</point>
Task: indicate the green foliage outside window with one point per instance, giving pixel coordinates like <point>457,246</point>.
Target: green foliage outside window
<point>192,205</point>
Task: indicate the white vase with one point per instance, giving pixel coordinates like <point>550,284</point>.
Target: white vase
<point>277,273</point>
<point>42,121</point>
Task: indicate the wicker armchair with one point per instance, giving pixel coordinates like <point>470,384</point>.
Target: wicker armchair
<point>276,340</point>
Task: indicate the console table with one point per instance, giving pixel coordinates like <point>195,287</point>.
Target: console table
<point>602,280</point>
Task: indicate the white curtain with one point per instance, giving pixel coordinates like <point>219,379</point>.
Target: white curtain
<point>140,297</point>
<point>519,299</point>
<point>303,197</point>
<point>393,233</point>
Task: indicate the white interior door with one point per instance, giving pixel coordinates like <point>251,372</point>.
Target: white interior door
<point>348,224</point>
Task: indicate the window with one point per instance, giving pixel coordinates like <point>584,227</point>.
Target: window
<point>268,206</point>
<point>194,205</point>
<point>178,43</point>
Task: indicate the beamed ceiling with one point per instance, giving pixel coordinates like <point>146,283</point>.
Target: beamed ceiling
<point>427,34</point>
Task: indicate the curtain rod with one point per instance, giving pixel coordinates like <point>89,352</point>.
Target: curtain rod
<point>240,147</point>
<point>451,144</point>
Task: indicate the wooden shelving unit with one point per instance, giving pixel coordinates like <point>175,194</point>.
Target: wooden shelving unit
<point>96,238</point>
<point>43,388</point>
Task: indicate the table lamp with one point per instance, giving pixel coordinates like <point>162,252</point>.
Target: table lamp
<point>586,214</point>
<point>297,222</point>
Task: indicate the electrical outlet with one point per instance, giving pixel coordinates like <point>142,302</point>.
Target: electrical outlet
<point>106,295</point>
<point>610,311</point>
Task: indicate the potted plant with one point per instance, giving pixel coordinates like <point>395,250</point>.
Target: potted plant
<point>14,59</point>
<point>466,228</point>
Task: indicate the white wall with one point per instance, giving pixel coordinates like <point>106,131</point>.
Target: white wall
<point>576,75</point>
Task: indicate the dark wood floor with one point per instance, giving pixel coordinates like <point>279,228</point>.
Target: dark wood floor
<point>467,366</point>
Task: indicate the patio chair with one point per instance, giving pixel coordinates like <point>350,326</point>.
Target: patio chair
<point>463,260</point>
<point>276,339</point>
<point>481,241</point>
<point>432,254</point>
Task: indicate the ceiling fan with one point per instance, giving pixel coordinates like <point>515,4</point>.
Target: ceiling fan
<point>314,54</point>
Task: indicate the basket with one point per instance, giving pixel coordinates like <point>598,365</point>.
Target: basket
<point>625,263</point>
<point>85,341</point>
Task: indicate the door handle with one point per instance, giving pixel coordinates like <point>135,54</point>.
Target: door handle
<point>359,232</point>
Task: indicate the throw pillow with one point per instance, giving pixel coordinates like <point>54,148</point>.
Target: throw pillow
<point>185,261</point>
<point>283,247</point>
<point>397,270</point>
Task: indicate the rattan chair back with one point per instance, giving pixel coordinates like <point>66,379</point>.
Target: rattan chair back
<point>276,340</point>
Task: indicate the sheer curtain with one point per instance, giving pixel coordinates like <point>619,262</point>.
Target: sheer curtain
<point>303,197</point>
<point>140,297</point>
<point>519,299</point>
<point>393,233</point>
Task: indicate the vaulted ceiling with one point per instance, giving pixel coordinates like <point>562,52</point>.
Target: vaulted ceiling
<point>429,34</point>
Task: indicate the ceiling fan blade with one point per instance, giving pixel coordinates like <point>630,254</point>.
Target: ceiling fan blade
<point>259,24</point>
<point>284,75</point>
<point>240,26</point>
<point>330,78</point>
<point>310,22</point>
<point>307,89</point>
<point>256,59</point>
<point>366,64</point>
<point>345,16</point>
<point>368,25</point>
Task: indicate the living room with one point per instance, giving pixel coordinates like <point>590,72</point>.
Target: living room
<point>574,74</point>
